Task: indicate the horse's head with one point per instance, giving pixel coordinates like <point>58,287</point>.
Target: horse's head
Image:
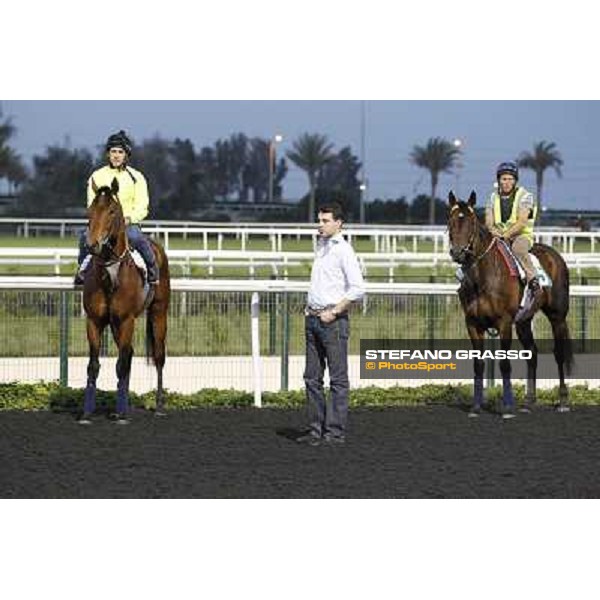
<point>462,227</point>
<point>105,217</point>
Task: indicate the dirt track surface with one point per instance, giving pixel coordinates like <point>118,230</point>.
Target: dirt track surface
<point>428,452</point>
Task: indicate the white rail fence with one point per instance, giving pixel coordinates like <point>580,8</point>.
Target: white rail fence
<point>278,263</point>
<point>385,238</point>
<point>255,369</point>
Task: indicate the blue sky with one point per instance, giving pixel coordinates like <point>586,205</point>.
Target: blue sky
<point>492,131</point>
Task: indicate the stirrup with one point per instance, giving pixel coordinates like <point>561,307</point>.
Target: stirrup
<point>535,287</point>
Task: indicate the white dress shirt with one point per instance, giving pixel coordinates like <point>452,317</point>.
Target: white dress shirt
<point>335,274</point>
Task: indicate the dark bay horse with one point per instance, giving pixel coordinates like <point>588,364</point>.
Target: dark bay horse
<point>490,298</point>
<point>113,294</point>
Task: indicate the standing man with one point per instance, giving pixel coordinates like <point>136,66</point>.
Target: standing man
<point>510,215</point>
<point>133,196</point>
<point>336,282</point>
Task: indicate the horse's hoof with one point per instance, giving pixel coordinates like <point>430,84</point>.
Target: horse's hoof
<point>508,415</point>
<point>526,410</point>
<point>85,419</point>
<point>563,409</point>
<point>160,413</point>
<point>474,413</point>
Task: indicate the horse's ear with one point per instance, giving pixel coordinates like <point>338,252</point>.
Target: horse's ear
<point>94,186</point>
<point>452,198</point>
<point>472,198</point>
<point>114,186</point>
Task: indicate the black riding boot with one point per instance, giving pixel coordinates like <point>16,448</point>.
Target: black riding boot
<point>533,294</point>
<point>83,252</point>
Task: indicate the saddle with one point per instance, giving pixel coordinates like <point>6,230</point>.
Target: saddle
<point>113,272</point>
<point>516,268</point>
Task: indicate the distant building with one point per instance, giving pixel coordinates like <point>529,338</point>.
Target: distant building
<point>244,211</point>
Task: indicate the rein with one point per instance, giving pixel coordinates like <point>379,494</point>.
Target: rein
<point>116,259</point>
<point>469,248</point>
<point>123,256</point>
<point>480,257</point>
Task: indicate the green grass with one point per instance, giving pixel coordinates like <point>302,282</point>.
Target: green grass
<point>290,243</point>
<point>51,396</point>
<point>218,324</point>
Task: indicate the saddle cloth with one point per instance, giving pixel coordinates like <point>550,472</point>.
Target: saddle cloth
<point>513,263</point>
<point>139,263</point>
<point>137,259</point>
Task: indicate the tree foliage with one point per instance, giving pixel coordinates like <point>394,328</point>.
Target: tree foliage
<point>437,156</point>
<point>58,184</point>
<point>311,152</point>
<point>11,166</point>
<point>545,155</point>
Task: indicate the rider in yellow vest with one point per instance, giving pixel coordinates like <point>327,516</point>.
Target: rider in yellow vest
<point>510,215</point>
<point>133,196</point>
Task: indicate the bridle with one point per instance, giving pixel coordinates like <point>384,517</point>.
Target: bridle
<point>462,254</point>
<point>108,242</point>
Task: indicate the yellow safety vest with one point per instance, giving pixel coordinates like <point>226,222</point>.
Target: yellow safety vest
<point>527,231</point>
<point>133,190</point>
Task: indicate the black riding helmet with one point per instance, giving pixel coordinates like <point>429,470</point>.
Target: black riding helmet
<point>119,140</point>
<point>507,168</point>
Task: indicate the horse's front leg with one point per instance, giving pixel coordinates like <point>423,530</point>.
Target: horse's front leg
<point>94,335</point>
<point>508,398</point>
<point>123,334</point>
<point>476,334</point>
<point>526,337</point>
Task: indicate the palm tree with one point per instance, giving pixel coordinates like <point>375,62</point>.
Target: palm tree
<point>11,167</point>
<point>544,155</point>
<point>438,156</point>
<point>310,152</point>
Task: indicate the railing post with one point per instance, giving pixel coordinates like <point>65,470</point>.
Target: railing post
<point>64,338</point>
<point>429,316</point>
<point>272,307</point>
<point>583,316</point>
<point>255,334</point>
<point>285,339</point>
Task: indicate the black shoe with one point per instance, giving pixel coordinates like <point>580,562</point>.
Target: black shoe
<point>78,279</point>
<point>309,439</point>
<point>152,277</point>
<point>534,286</point>
<point>334,440</point>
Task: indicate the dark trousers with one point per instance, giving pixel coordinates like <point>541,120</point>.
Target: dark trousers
<point>137,240</point>
<point>327,345</point>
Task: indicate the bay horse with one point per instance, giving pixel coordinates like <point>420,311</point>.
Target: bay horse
<point>490,298</point>
<point>114,294</point>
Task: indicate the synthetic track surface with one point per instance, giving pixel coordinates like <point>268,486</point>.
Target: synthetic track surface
<point>426,452</point>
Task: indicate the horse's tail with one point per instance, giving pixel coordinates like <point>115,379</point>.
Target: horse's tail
<point>558,307</point>
<point>564,345</point>
<point>150,339</point>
